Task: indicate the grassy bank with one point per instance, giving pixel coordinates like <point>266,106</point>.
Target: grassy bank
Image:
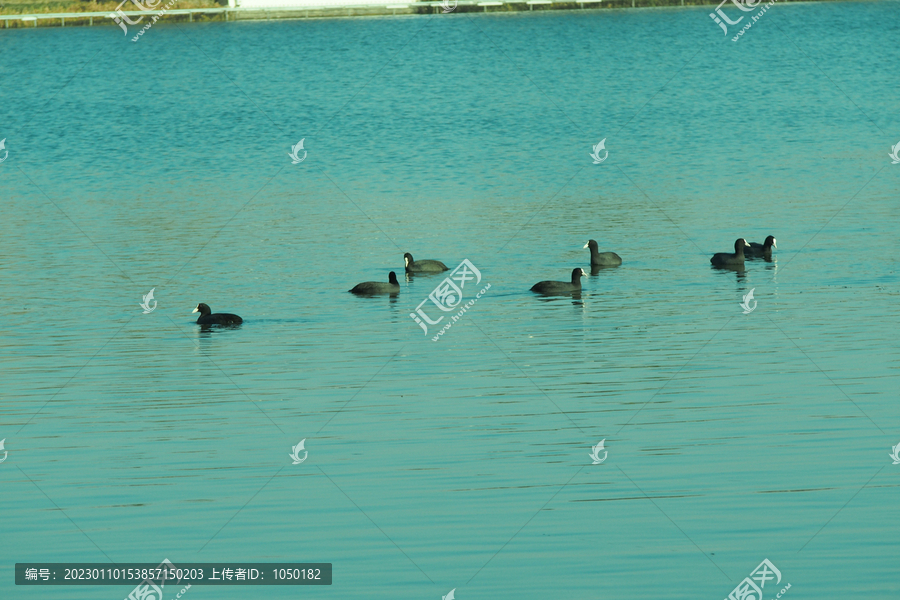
<point>76,7</point>
<point>11,7</point>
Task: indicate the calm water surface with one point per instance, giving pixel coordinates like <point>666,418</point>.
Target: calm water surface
<point>461,463</point>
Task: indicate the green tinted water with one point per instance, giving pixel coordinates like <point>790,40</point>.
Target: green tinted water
<point>462,463</point>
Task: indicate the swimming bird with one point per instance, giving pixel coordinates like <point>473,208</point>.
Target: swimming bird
<point>206,318</point>
<point>423,266</point>
<point>726,259</point>
<point>378,287</point>
<point>560,287</point>
<point>758,250</point>
<point>602,259</point>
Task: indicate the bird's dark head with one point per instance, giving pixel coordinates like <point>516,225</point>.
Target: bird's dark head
<point>392,278</point>
<point>770,242</point>
<point>202,309</point>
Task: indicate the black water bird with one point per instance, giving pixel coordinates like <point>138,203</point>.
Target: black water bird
<point>560,287</point>
<point>423,266</point>
<point>602,259</point>
<point>726,259</point>
<point>207,318</point>
<point>378,287</point>
<point>760,250</point>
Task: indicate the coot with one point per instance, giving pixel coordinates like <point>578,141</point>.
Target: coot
<point>206,318</point>
<point>602,259</point>
<point>761,250</point>
<point>378,287</point>
<point>560,287</point>
<point>726,259</point>
<point>423,266</point>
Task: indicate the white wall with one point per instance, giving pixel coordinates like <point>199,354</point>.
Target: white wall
<point>310,3</point>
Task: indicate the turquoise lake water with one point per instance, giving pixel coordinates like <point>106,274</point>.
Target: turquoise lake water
<point>461,464</point>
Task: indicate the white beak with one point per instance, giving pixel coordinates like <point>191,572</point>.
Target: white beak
<point>588,244</point>
<point>195,310</point>
<point>774,245</point>
<point>405,262</point>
